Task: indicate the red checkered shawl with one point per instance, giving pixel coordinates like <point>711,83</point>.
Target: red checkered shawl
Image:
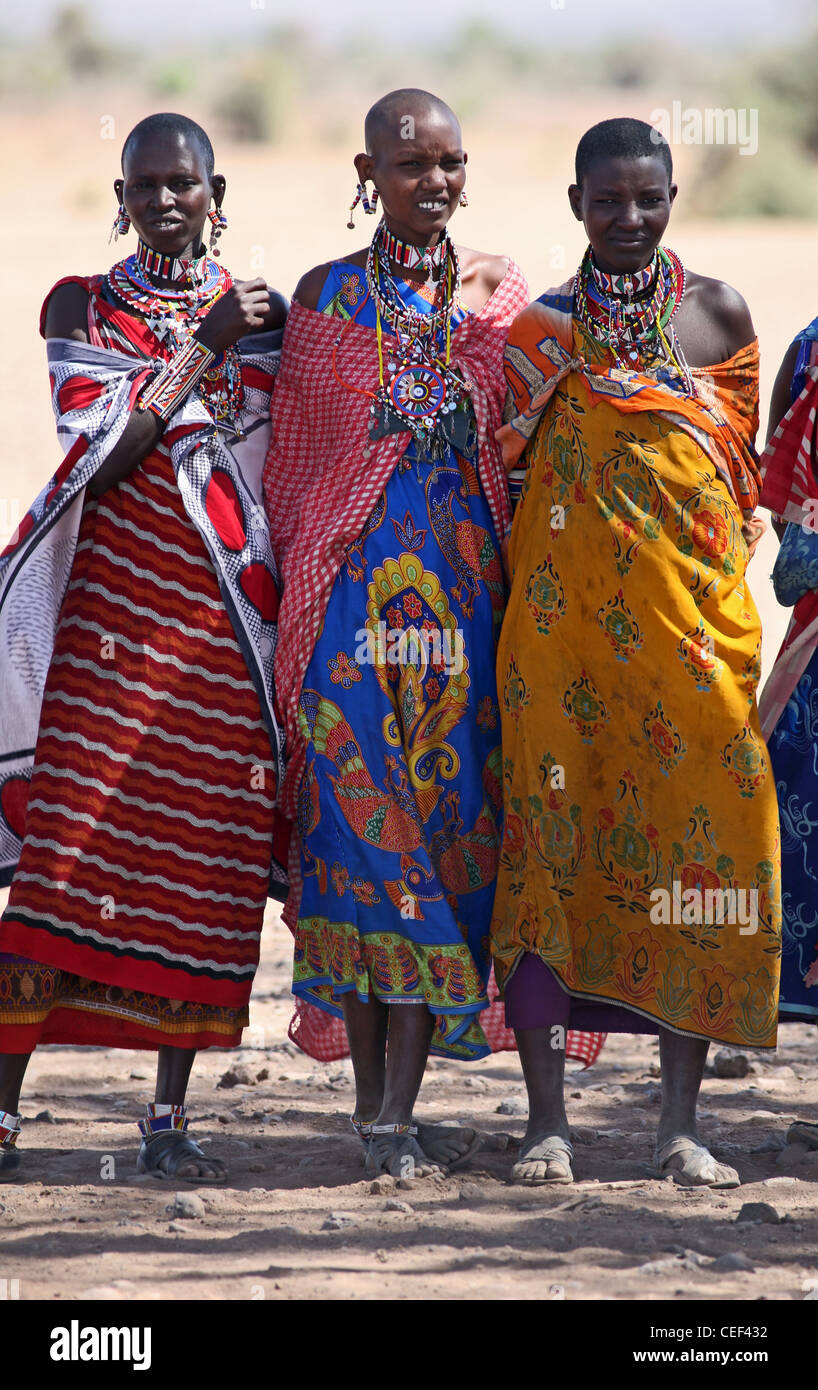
<point>790,490</point>
<point>323,475</point>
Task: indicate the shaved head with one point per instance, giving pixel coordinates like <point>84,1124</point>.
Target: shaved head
<point>396,113</point>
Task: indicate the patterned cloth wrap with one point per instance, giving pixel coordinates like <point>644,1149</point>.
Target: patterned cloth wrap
<point>322,483</point>
<point>323,474</point>
<point>93,394</point>
<point>790,490</point>
<point>789,701</point>
<point>627,668</point>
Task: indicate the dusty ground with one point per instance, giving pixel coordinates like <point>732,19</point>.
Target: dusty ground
<point>68,1232</point>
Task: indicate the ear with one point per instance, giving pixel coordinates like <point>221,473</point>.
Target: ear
<point>671,193</point>
<point>465,157</point>
<point>119,189</point>
<point>575,199</point>
<point>218,187</point>
<point>364,164</point>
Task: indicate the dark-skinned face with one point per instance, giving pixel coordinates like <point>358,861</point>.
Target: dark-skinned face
<point>420,179</point>
<point>625,205</point>
<point>166,191</point>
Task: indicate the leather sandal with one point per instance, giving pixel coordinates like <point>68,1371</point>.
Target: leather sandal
<point>166,1152</point>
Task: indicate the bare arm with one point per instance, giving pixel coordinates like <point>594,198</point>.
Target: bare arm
<point>67,317</point>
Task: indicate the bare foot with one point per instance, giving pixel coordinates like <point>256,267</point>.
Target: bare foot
<point>693,1165</point>
<point>450,1145</point>
<point>545,1159</point>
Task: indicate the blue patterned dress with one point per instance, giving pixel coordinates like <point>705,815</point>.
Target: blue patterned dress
<point>793,749</point>
<point>400,807</point>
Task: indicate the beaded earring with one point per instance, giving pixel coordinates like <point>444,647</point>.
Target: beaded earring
<point>464,202</point>
<point>368,207</point>
<point>121,225</point>
<point>218,225</point>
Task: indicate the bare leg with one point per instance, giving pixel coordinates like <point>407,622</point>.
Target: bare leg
<point>12,1070</point>
<point>173,1066</point>
<point>678,1146</point>
<point>366,1025</point>
<point>541,1160</point>
<point>682,1061</point>
<point>396,1075</point>
<point>410,1035</point>
<point>172,1075</point>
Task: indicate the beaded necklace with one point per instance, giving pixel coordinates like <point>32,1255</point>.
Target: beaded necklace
<point>411,257</point>
<point>422,386</point>
<point>632,311</point>
<point>163,267</point>
<point>174,314</point>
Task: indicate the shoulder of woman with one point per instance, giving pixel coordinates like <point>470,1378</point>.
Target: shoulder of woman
<point>722,302</point>
<point>490,269</point>
<point>308,290</point>
<point>65,311</point>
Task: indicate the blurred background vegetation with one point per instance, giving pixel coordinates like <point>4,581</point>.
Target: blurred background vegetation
<point>288,85</point>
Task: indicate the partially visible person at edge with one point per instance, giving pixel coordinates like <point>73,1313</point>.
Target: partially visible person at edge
<point>137,630</point>
<point>388,505</point>
<point>789,704</point>
<point>636,781</point>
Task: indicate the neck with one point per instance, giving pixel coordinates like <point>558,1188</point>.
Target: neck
<point>161,266</point>
<point>412,258</point>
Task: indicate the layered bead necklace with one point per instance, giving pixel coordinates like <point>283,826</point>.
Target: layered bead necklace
<point>173,312</point>
<point>417,384</point>
<point>632,311</point>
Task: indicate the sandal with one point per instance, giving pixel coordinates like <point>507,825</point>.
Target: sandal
<point>552,1151</point>
<point>9,1154</point>
<point>394,1149</point>
<point>433,1136</point>
<point>698,1168</point>
<point>166,1147</point>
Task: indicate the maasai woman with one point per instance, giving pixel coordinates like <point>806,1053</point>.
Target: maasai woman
<point>637,786</point>
<point>388,506</point>
<point>137,605</point>
<point>789,702</point>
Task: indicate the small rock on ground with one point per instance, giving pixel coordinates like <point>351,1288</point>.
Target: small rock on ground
<point>187,1206</point>
<point>731,1064</point>
<point>338,1220</point>
<point>759,1211</point>
<point>236,1076</point>
<point>513,1106</point>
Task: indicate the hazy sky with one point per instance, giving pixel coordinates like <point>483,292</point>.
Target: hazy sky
<point>569,21</point>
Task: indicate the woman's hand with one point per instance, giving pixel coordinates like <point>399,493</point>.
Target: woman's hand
<point>244,309</point>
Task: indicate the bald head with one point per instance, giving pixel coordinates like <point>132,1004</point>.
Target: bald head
<point>396,114</point>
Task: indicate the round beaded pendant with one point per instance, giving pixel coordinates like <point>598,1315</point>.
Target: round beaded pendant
<point>417,391</point>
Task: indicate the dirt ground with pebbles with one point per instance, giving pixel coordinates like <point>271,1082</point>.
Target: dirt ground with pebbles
<point>298,1219</point>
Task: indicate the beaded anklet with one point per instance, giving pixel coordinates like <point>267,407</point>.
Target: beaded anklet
<point>9,1128</point>
<point>161,1117</point>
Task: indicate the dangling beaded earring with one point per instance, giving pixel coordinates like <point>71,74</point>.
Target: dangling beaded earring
<point>218,225</point>
<point>121,225</point>
<point>360,197</point>
<point>464,202</point>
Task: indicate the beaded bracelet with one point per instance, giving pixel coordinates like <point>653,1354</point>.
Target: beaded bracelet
<point>176,380</point>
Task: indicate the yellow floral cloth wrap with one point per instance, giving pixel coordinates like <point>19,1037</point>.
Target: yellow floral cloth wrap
<point>640,857</point>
